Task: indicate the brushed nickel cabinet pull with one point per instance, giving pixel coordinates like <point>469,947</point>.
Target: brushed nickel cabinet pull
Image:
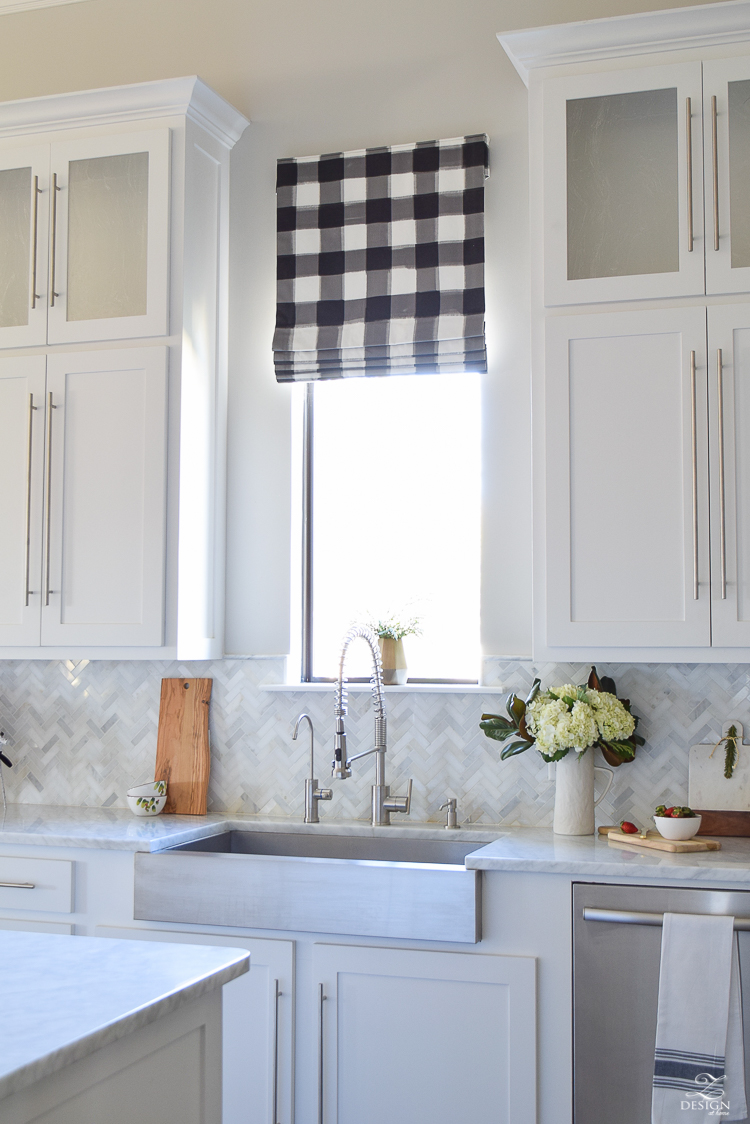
<point>275,1106</point>
<point>34,238</point>
<point>18,885</point>
<point>715,166</point>
<point>51,406</point>
<point>321,1001</point>
<point>722,508</point>
<point>689,148</point>
<point>53,242</point>
<point>694,437</point>
<point>28,591</point>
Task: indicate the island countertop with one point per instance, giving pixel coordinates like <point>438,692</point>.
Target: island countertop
<point>62,997</point>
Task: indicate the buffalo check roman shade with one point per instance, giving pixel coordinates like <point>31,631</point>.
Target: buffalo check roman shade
<point>381,261</point>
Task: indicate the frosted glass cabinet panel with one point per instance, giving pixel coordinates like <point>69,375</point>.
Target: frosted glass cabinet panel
<point>623,185</point>
<point>726,111</point>
<point>110,238</point>
<point>24,201</point>
<point>626,534</point>
<point>107,236</point>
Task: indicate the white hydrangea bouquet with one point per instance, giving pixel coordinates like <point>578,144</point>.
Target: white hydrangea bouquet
<point>567,718</point>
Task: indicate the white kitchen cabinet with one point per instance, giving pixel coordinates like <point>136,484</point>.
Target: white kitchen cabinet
<point>23,412</point>
<point>627,544</point>
<point>623,207</point>
<point>726,116</point>
<point>258,1024</point>
<point>114,212</point>
<point>410,1036</point>
<point>84,226</point>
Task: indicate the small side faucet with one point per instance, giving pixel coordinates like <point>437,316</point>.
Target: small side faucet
<point>451,819</point>
<point>382,801</point>
<point>312,793</point>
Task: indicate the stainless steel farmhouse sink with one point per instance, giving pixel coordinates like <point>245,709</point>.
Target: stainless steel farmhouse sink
<point>382,886</point>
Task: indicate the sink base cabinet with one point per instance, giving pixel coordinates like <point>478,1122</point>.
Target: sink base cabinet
<point>408,1035</point>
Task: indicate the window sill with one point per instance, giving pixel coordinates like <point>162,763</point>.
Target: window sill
<point>408,689</point>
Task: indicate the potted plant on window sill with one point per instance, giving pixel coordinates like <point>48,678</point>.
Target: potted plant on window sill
<point>390,632</point>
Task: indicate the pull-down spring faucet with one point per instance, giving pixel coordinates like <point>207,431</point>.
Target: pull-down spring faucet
<point>382,801</point>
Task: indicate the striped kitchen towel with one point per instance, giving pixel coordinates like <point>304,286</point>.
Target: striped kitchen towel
<point>699,1061</point>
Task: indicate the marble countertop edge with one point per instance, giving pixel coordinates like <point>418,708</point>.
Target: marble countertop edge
<point>109,1032</point>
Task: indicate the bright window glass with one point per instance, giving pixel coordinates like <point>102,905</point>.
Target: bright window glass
<point>396,518</point>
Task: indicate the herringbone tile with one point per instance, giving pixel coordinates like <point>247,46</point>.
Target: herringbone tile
<point>82,733</point>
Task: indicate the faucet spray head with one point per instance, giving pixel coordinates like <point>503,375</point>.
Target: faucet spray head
<point>339,767</point>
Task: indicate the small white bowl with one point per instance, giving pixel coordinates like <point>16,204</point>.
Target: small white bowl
<point>151,788</point>
<point>146,805</point>
<point>678,829</point>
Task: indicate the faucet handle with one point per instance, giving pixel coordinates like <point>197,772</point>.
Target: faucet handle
<point>400,803</point>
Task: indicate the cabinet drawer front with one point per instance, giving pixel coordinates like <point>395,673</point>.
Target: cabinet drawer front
<point>36,884</point>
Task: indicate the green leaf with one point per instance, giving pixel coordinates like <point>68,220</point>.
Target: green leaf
<point>730,756</point>
<point>534,691</point>
<point>557,756</point>
<point>516,708</point>
<point>569,702</point>
<point>514,748</point>
<point>622,749</point>
<point>496,731</point>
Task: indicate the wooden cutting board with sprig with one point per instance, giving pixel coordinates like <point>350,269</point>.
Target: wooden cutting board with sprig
<point>719,783</point>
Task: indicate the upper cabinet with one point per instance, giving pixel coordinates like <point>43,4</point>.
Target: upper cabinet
<point>114,237</point>
<point>84,226</point>
<point>726,129</point>
<point>627,148</point>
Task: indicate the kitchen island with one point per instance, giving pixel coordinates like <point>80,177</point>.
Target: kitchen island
<point>111,1030</point>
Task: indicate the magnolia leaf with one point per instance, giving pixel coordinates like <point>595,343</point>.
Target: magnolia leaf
<point>516,708</point>
<point>534,691</point>
<point>624,750</point>
<point>608,685</point>
<point>593,682</point>
<point>497,732</point>
<point>513,748</point>
<point>730,756</point>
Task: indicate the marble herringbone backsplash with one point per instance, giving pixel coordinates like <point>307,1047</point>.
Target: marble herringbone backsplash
<point>82,734</point>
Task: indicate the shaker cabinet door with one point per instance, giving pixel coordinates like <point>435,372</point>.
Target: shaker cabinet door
<point>729,426</point>
<point>626,495</point>
<point>22,409</point>
<point>623,198</point>
<point>109,242</point>
<point>104,522</point>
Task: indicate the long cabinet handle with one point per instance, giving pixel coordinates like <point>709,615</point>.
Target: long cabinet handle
<point>50,407</point>
<point>53,242</point>
<point>28,591</point>
<point>321,1001</point>
<point>275,1090</point>
<point>722,508</point>
<point>34,240</point>
<point>694,440</point>
<point>635,917</point>
<point>715,166</point>
<point>18,885</point>
<point>689,150</point>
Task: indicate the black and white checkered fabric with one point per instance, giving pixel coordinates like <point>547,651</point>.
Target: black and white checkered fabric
<point>381,261</point>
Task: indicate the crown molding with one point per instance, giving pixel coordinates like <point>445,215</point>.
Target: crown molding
<point>706,25</point>
<point>169,97</point>
<point>8,6</point>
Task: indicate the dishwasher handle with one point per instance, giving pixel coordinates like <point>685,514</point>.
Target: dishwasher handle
<point>634,917</point>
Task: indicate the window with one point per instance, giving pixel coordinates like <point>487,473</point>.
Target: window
<point>395,476</point>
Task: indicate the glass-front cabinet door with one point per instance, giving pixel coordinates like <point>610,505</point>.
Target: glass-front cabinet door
<point>109,237</point>
<point>623,185</point>
<point>24,207</point>
<point>726,115</point>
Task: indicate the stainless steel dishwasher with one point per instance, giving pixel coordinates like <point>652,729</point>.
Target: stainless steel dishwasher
<point>615,991</point>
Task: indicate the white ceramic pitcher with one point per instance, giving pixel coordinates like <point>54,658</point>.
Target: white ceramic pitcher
<point>574,793</point>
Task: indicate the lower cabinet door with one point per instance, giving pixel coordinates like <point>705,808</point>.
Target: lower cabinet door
<point>258,1025</point>
<point>410,1037</point>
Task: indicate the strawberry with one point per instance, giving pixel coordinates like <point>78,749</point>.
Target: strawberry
<point>628,827</point>
<point>669,811</point>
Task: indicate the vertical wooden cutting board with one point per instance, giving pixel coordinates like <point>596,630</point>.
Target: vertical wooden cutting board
<point>183,756</point>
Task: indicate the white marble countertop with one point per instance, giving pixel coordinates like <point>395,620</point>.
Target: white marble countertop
<point>115,829</point>
<point>540,850</point>
<point>61,998</point>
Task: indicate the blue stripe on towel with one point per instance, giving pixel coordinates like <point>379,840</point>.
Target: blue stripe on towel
<point>680,1069</point>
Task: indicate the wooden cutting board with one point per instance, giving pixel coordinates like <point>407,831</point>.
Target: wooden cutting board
<point>183,757</point>
<point>656,842</point>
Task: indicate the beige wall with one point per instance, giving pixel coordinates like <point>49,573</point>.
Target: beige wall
<point>319,76</point>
